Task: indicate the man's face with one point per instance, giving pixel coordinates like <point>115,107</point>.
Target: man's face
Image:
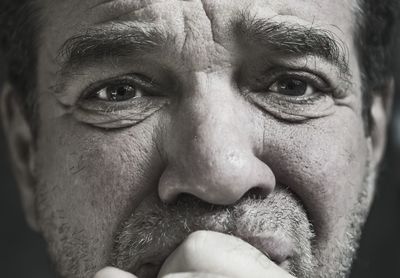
<point>160,118</point>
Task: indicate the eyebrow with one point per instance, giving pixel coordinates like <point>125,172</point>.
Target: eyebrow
<point>134,38</point>
<point>289,38</point>
<point>116,40</point>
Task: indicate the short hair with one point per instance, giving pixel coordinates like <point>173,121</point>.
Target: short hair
<point>374,38</point>
<point>20,27</point>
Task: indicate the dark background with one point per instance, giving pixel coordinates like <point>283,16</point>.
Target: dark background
<point>22,252</point>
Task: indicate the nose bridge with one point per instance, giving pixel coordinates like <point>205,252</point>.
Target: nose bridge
<point>215,116</point>
<point>209,153</point>
<point>209,125</point>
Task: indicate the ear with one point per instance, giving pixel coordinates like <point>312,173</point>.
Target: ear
<point>21,149</point>
<point>380,114</point>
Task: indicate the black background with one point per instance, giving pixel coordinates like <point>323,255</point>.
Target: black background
<point>22,252</point>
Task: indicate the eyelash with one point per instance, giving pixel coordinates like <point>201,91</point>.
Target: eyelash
<point>320,84</point>
<point>134,79</point>
<point>152,89</point>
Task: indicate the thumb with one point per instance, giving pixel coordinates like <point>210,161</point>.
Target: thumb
<point>111,272</point>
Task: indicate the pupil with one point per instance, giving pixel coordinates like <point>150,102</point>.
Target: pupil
<point>293,87</point>
<point>121,90</point>
<point>121,93</point>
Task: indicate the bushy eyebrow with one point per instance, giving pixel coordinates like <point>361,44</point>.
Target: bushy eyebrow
<point>290,38</point>
<point>135,38</point>
<point>116,40</point>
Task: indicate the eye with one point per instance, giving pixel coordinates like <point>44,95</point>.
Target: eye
<point>118,92</point>
<point>292,87</point>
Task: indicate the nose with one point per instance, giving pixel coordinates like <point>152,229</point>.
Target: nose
<point>210,146</point>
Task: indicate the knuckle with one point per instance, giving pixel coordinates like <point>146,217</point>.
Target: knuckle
<point>104,273</point>
<point>193,275</point>
<point>195,243</point>
<point>110,272</point>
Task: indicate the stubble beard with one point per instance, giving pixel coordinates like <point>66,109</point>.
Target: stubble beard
<point>152,232</point>
<point>336,259</point>
<point>279,215</point>
<point>156,226</point>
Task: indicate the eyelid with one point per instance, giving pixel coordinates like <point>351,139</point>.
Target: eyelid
<point>318,82</point>
<point>135,79</point>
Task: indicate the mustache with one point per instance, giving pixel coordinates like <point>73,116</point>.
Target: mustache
<point>155,229</point>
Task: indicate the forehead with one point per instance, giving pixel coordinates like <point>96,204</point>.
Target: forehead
<point>64,19</point>
<point>314,11</point>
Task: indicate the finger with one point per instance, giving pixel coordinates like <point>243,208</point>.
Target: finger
<point>193,275</point>
<point>111,272</point>
<point>212,252</point>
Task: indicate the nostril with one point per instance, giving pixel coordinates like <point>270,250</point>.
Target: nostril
<point>257,192</point>
<point>183,199</point>
<point>169,186</point>
<point>222,184</point>
<point>188,200</point>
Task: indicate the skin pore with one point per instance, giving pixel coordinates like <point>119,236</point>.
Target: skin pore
<point>162,118</point>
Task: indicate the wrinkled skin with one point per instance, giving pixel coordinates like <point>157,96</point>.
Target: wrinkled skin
<point>211,148</point>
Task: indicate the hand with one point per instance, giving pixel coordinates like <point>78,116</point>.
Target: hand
<point>219,254</point>
<point>111,272</point>
<point>206,254</point>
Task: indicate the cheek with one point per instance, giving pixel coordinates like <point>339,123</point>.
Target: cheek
<point>91,179</point>
<point>324,163</point>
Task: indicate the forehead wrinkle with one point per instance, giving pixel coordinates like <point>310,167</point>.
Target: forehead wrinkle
<point>213,43</point>
<point>205,43</point>
<point>109,4</point>
<point>119,9</point>
<point>100,3</point>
